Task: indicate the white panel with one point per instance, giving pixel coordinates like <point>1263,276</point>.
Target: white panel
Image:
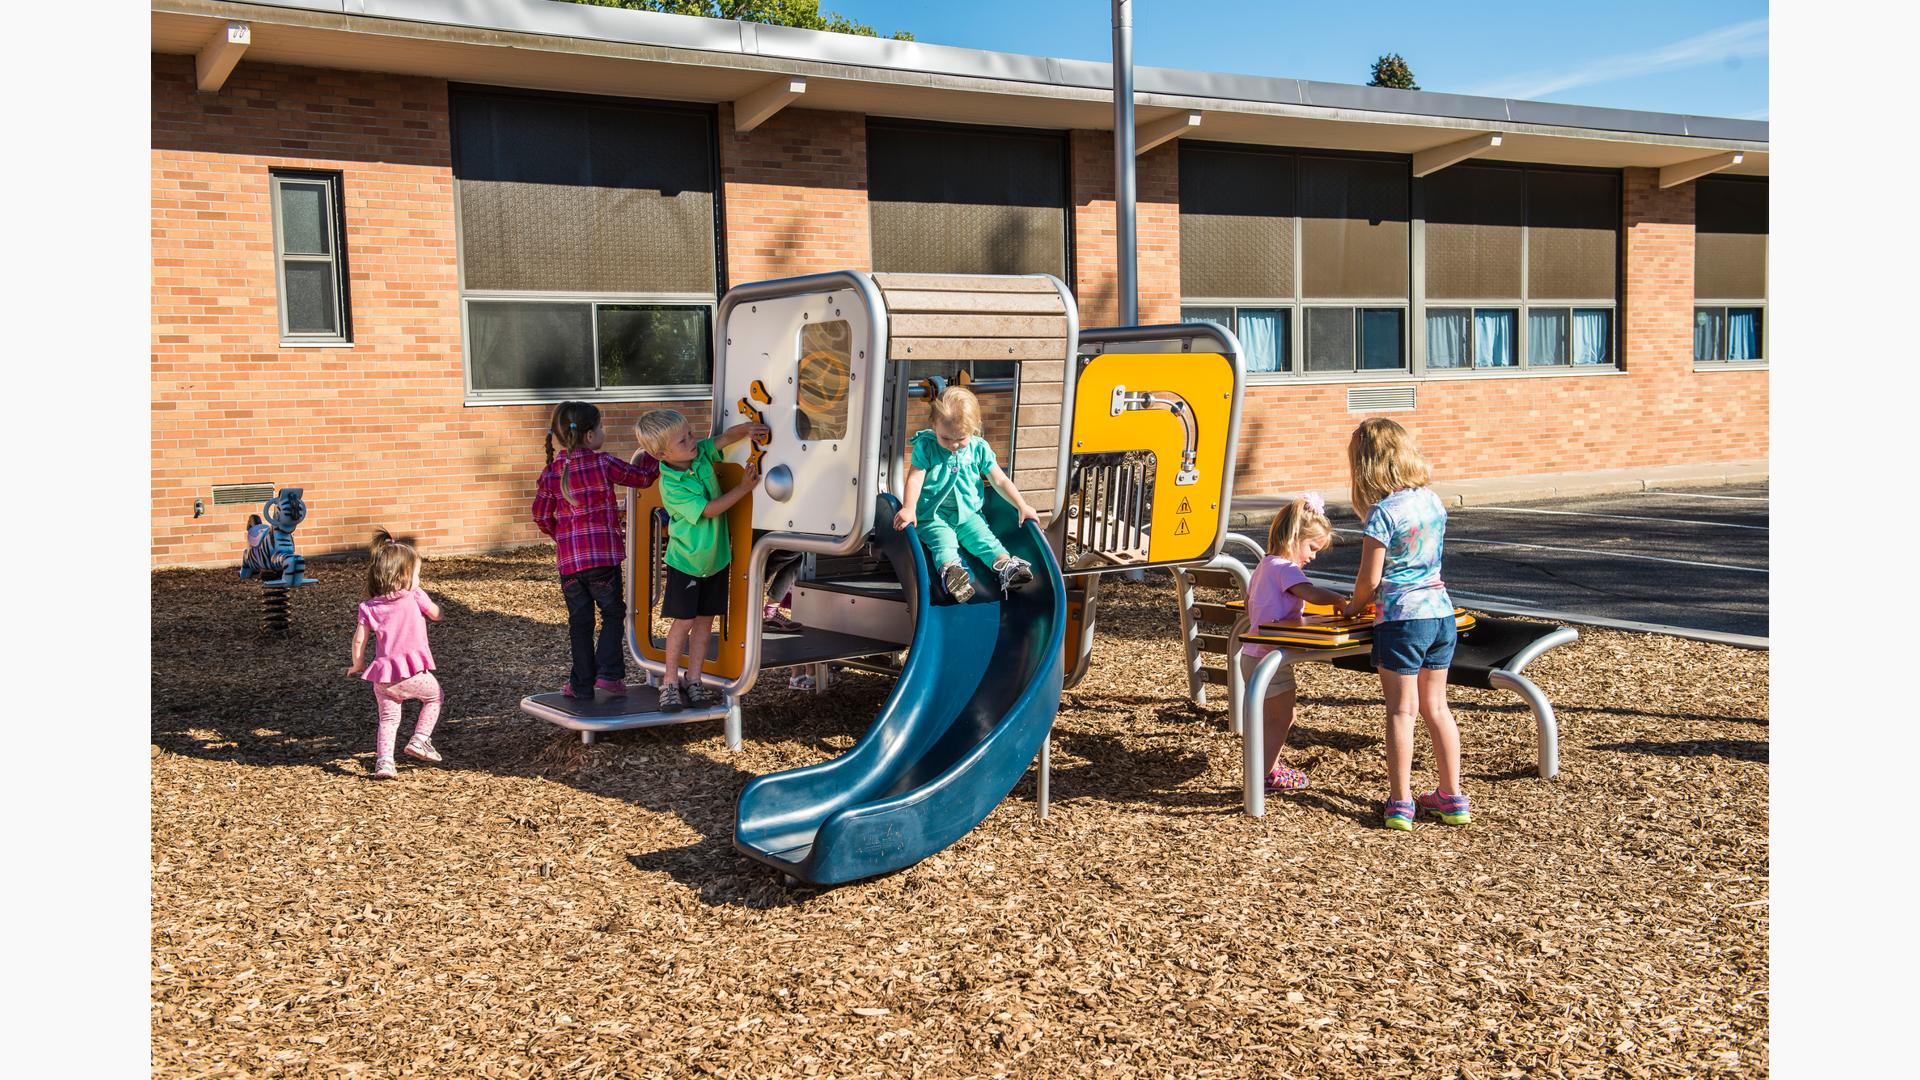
<point>764,343</point>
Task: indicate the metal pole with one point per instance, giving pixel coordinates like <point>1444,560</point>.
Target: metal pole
<point>1123,194</point>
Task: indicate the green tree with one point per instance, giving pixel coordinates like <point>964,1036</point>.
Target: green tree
<point>1392,72</point>
<point>803,14</point>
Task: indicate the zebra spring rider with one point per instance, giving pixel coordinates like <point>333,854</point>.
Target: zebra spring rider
<point>270,557</point>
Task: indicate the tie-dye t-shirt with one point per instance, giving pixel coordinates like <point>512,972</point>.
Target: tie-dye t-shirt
<point>1412,523</point>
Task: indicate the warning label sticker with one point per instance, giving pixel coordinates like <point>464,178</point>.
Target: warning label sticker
<point>1185,506</point>
<point>1180,527</point>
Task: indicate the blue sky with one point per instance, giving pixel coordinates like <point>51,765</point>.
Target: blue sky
<point>1704,57</point>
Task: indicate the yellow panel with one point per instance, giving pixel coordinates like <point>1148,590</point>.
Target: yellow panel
<point>1185,517</point>
<point>741,615</point>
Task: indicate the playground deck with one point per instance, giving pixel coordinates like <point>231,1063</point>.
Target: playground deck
<point>539,907</point>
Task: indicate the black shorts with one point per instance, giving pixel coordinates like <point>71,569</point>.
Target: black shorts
<point>689,597</point>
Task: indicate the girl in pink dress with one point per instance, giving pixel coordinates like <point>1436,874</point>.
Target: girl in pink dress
<point>1278,592</point>
<point>396,613</point>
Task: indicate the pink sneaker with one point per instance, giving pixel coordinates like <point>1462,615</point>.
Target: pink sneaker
<point>611,686</point>
<point>383,769</point>
<point>1285,779</point>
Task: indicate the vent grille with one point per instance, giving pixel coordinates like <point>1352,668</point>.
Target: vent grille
<point>1380,398</point>
<point>234,494</point>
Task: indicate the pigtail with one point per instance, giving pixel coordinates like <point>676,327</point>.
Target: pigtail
<point>549,446</point>
<point>566,488</point>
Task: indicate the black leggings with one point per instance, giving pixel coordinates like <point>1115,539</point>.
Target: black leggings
<point>597,587</point>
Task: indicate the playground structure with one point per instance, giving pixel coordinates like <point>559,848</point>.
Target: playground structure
<point>1138,463</point>
<point>270,557</point>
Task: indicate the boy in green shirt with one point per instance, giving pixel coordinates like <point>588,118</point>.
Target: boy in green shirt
<point>697,547</point>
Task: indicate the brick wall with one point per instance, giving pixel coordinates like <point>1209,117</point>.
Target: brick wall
<point>1660,412</point>
<point>796,195</point>
<point>1156,182</point>
<point>377,433</point>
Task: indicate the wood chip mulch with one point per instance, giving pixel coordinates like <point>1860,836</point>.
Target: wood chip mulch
<point>535,907</point>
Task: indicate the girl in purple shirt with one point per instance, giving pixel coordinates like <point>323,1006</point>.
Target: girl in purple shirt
<point>1278,592</point>
<point>396,613</point>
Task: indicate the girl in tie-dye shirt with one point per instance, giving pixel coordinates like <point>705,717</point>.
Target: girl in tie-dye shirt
<point>1413,632</point>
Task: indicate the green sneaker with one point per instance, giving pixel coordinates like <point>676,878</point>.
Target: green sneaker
<point>1399,815</point>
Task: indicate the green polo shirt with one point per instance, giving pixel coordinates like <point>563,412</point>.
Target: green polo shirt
<point>696,544</point>
<point>953,481</point>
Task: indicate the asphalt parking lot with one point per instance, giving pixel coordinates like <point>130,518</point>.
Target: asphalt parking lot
<point>1690,560</point>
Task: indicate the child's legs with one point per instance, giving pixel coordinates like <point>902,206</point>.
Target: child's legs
<point>1276,714</point>
<point>1402,694</point>
<point>604,583</point>
<point>783,569</point>
<point>978,539</point>
<point>697,646</point>
<point>579,630</point>
<point>942,545</point>
<point>1440,728</point>
<point>388,706</point>
<point>677,636</point>
<point>425,689</point>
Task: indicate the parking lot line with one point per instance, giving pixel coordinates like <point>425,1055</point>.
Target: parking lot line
<point>1614,517</point>
<point>1700,495</point>
<point>1452,540</point>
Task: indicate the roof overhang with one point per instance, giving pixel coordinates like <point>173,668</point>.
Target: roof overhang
<point>585,49</point>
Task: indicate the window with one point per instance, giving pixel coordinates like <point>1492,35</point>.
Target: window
<point>826,364</point>
<point>1730,269</point>
<point>1287,248</point>
<point>951,199</point>
<point>1521,268</point>
<point>588,261</point>
<point>310,258</point>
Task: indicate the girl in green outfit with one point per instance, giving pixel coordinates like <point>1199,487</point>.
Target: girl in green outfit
<point>944,496</point>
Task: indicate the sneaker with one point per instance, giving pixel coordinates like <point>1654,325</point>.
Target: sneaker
<point>383,769</point>
<point>670,700</point>
<point>1399,815</point>
<point>799,680</point>
<point>701,696</point>
<point>612,686</point>
<point>1285,779</point>
<point>776,620</point>
<point>422,748</point>
<point>959,583</point>
<point>1451,809</point>
<point>1013,571</point>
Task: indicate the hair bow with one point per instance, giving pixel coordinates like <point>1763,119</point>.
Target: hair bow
<point>1315,503</point>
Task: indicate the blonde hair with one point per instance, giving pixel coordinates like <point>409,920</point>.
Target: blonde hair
<point>657,430</point>
<point>1383,459</point>
<point>572,422</point>
<point>1295,524</point>
<point>957,406</point>
<point>392,566</point>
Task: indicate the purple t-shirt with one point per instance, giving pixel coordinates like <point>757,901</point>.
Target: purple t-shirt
<point>400,651</point>
<point>1268,600</point>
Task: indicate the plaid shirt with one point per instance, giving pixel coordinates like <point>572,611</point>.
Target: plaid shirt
<point>586,532</point>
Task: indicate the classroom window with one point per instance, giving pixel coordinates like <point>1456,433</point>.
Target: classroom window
<point>588,255</point>
<point>826,369</point>
<point>1730,269</point>
<point>1265,333</point>
<point>309,247</point>
<point>1305,256</point>
<point>1521,267</point>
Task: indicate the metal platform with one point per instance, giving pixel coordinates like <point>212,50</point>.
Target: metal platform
<point>639,707</point>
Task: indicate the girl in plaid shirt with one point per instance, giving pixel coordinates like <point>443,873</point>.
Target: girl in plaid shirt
<point>575,505</point>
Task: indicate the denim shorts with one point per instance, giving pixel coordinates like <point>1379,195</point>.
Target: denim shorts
<point>1406,646</point>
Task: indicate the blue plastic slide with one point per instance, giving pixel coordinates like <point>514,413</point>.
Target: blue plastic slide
<point>971,709</point>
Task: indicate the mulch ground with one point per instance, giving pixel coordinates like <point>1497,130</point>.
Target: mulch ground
<point>539,907</point>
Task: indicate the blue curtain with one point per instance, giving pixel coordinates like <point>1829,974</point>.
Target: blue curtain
<point>1591,337</point>
<point>1743,333</point>
<point>1447,338</point>
<point>1263,337</point>
<point>1707,325</point>
<point>1546,336</point>
<point>1493,338</point>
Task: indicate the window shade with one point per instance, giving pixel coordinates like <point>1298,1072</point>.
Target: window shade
<point>954,200</point>
<point>1236,223</point>
<point>1573,235</point>
<point>1474,219</point>
<point>1353,228</point>
<point>1730,239</point>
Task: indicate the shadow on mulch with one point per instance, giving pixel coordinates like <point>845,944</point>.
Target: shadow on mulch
<point>1737,749</point>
